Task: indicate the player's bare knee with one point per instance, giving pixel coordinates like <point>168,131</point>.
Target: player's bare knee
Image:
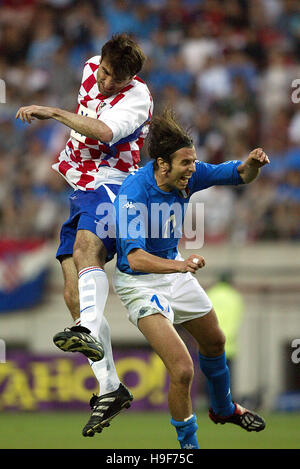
<point>183,373</point>
<point>216,346</point>
<point>78,254</point>
<point>86,253</point>
<point>83,257</point>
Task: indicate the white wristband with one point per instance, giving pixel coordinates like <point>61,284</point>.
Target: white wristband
<point>195,260</point>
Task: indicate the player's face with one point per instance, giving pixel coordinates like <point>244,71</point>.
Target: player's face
<point>183,167</point>
<point>108,85</point>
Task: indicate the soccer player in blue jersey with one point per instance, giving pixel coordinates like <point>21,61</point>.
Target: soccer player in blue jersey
<point>156,284</point>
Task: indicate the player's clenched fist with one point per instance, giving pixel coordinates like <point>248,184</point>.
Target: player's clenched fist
<point>192,264</point>
<point>258,157</point>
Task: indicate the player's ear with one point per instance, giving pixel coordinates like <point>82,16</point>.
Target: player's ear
<point>163,165</point>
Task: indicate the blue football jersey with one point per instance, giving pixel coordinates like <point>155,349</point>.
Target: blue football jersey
<point>151,219</point>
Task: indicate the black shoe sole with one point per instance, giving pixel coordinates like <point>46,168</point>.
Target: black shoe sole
<point>258,429</point>
<point>105,423</point>
<point>76,344</point>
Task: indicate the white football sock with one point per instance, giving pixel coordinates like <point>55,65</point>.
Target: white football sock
<point>93,291</point>
<point>105,370</point>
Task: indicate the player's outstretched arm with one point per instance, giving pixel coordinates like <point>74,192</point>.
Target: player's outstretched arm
<point>249,170</point>
<point>142,261</point>
<point>91,128</point>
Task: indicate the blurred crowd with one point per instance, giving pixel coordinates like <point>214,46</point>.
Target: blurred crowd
<point>228,68</point>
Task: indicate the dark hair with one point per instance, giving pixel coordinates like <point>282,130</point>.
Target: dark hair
<point>166,136</point>
<point>124,55</point>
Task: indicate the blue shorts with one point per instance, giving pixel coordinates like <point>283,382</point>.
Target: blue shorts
<point>92,211</point>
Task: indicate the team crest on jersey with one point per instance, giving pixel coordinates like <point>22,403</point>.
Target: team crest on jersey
<point>129,205</point>
<point>100,106</point>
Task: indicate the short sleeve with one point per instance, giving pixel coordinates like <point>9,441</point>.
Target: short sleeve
<point>129,114</point>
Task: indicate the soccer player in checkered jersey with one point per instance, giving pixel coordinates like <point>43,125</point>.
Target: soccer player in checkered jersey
<point>107,132</point>
<point>156,284</point>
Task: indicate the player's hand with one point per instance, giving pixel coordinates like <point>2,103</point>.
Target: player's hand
<point>258,158</point>
<point>192,264</point>
<point>29,113</point>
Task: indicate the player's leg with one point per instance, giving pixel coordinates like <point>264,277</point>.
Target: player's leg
<point>71,294</point>
<point>211,341</point>
<point>80,238</point>
<point>68,340</point>
<point>84,337</point>
<point>207,332</point>
<point>165,341</point>
<point>212,359</point>
<point>150,311</point>
<point>94,245</point>
<point>92,337</point>
<point>65,256</point>
<point>193,309</point>
<point>113,395</point>
<point>89,257</point>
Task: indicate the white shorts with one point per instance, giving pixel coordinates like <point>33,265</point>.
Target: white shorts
<point>178,297</point>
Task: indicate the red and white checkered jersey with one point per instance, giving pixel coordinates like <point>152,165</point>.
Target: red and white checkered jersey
<point>85,162</point>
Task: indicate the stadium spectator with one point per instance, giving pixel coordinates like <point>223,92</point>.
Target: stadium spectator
<point>197,46</point>
<point>257,43</point>
<point>43,45</point>
<point>213,82</point>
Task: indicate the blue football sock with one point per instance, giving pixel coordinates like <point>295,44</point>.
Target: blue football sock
<point>217,373</point>
<point>186,433</point>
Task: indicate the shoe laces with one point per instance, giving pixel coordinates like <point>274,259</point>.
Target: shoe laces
<point>93,400</point>
<point>101,402</point>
